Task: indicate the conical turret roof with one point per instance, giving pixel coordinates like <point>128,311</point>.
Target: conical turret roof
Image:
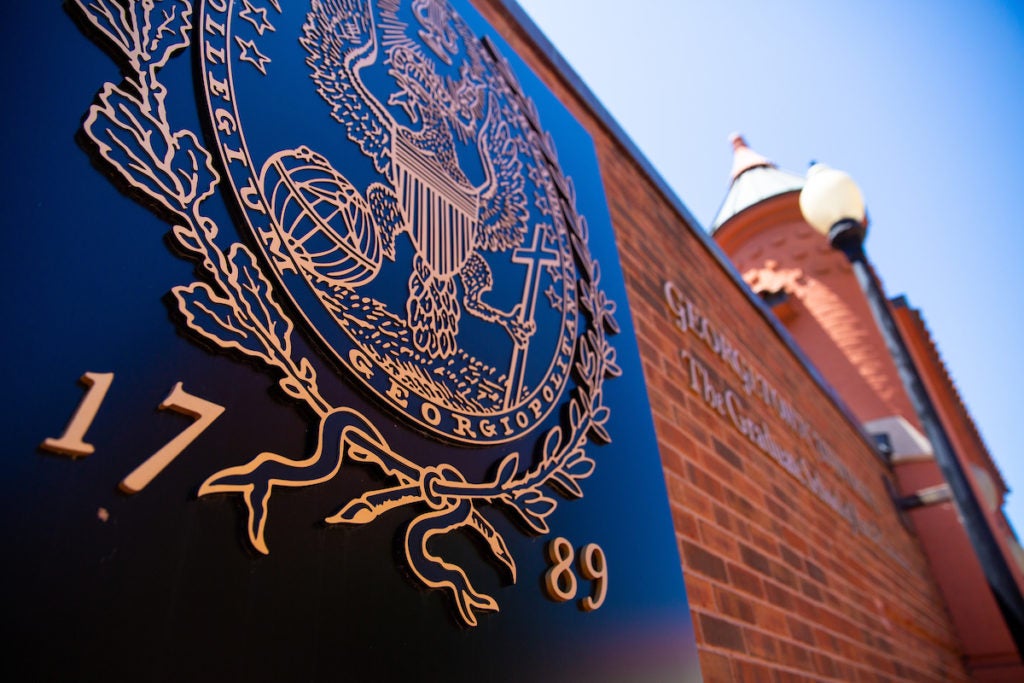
<point>754,179</point>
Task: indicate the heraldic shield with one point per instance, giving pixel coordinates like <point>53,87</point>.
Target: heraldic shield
<point>402,208</point>
<point>422,237</point>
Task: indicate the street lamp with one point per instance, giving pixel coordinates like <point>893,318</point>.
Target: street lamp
<point>833,205</point>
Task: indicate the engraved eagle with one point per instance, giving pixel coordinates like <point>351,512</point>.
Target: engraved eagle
<point>427,195</point>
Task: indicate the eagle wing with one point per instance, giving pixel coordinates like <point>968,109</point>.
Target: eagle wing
<point>340,37</point>
<point>503,208</point>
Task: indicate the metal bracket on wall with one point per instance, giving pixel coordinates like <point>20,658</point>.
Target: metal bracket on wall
<point>932,495</point>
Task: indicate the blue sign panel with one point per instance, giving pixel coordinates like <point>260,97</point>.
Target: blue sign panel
<point>321,357</point>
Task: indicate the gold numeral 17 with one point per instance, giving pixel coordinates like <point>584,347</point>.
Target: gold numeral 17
<point>72,443</point>
<point>180,401</point>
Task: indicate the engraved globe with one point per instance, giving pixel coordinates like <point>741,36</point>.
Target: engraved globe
<point>324,223</point>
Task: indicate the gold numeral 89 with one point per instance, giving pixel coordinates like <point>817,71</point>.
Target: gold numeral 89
<point>559,580</point>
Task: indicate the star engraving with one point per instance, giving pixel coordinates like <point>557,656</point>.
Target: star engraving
<point>252,55</point>
<point>257,17</point>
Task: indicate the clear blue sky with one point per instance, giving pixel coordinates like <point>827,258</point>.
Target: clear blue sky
<point>922,102</point>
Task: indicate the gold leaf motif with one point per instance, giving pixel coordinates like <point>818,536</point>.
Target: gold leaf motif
<point>234,305</point>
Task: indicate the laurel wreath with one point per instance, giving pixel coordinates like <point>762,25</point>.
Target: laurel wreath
<point>234,306</point>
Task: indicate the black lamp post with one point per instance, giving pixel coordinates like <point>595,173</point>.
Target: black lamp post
<point>832,204</point>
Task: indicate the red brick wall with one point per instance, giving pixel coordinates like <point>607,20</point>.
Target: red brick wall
<point>781,586</point>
